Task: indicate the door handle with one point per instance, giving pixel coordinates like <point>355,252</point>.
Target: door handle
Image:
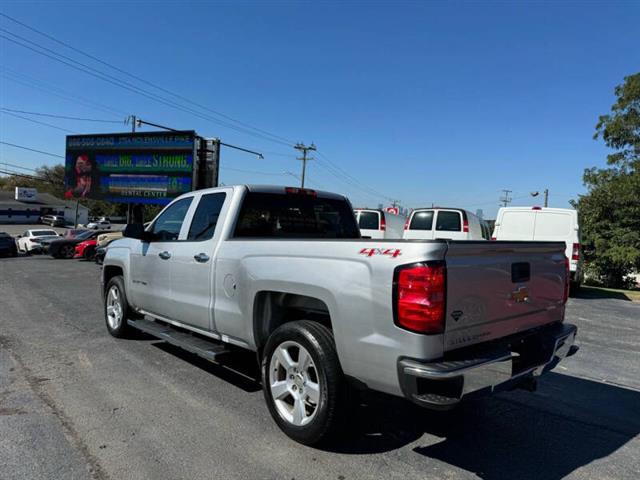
<point>201,257</point>
<point>164,255</point>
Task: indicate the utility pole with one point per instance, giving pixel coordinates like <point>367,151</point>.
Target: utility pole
<point>133,119</point>
<point>506,199</point>
<point>546,196</point>
<point>304,149</point>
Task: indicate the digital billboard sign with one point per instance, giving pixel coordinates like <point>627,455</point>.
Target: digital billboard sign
<point>152,167</point>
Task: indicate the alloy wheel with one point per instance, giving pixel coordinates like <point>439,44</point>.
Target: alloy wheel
<point>294,383</point>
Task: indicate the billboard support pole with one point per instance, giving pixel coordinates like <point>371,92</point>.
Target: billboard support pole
<point>131,206</point>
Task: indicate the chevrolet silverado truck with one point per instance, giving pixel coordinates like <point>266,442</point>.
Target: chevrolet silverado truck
<point>284,272</point>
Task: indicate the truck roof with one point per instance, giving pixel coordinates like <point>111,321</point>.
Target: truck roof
<point>280,189</point>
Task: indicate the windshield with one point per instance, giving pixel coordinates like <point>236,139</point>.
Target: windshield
<point>43,233</point>
<point>83,235</point>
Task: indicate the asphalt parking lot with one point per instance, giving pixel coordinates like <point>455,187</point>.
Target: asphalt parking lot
<point>76,403</point>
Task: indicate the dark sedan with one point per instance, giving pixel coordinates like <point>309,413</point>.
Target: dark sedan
<point>65,247</point>
<point>7,245</point>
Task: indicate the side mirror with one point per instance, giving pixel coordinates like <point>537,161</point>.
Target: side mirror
<point>19,236</point>
<point>137,231</point>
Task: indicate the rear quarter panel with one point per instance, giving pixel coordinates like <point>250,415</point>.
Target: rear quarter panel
<point>355,287</point>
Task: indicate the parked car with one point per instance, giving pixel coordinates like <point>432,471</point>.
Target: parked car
<point>101,224</point>
<point>7,245</point>
<point>376,223</point>
<point>446,223</point>
<point>99,255</point>
<point>53,220</point>
<point>65,247</point>
<point>86,249</point>
<point>284,272</point>
<point>31,240</point>
<point>544,224</point>
<point>106,238</point>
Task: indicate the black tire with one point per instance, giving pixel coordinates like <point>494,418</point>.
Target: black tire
<point>122,330</point>
<point>334,399</point>
<point>89,253</point>
<point>574,288</point>
<point>67,251</point>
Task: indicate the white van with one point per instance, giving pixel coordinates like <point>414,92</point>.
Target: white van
<point>538,223</point>
<point>375,223</point>
<point>449,223</point>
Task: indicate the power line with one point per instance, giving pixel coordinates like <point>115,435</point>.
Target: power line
<point>337,171</point>
<point>33,82</point>
<point>129,86</point>
<point>253,172</point>
<point>333,169</point>
<point>31,149</point>
<point>17,166</point>
<point>16,174</point>
<point>36,121</point>
<point>77,50</point>
<point>61,116</point>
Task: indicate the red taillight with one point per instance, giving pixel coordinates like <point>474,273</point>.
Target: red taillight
<point>575,254</point>
<point>494,239</point>
<point>566,280</point>
<point>465,226</point>
<point>383,222</point>
<point>536,208</point>
<point>420,298</point>
<point>406,224</point>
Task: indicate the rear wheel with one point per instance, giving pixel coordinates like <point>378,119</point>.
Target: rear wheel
<point>303,383</point>
<point>67,251</point>
<point>116,308</point>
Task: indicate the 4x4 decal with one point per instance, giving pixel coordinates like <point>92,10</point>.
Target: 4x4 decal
<point>392,252</point>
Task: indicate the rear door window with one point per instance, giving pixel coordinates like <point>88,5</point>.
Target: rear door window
<point>369,221</point>
<point>422,220</point>
<point>205,219</point>
<point>448,222</point>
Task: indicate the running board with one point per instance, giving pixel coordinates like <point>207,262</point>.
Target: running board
<point>207,349</point>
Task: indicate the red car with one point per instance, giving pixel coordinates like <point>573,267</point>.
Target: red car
<point>86,249</point>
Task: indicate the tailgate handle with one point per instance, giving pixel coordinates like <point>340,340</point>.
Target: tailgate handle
<point>520,272</point>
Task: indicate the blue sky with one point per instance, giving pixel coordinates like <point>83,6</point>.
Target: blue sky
<point>426,102</point>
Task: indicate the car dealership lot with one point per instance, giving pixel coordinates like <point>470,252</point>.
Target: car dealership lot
<point>76,403</point>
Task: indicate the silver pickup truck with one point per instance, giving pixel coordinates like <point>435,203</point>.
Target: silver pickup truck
<point>283,272</point>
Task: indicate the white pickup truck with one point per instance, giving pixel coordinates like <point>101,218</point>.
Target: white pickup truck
<point>284,272</point>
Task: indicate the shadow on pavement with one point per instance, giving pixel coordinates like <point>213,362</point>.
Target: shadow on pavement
<point>569,423</point>
<point>238,368</point>
<point>595,293</point>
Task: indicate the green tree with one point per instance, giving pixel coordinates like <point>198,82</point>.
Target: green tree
<point>610,211</point>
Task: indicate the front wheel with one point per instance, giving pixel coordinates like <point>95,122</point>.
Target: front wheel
<point>303,383</point>
<point>116,308</point>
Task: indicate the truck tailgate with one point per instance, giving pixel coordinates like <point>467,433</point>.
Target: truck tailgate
<point>495,289</point>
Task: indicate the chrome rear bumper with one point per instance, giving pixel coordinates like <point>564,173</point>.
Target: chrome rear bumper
<point>488,368</point>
